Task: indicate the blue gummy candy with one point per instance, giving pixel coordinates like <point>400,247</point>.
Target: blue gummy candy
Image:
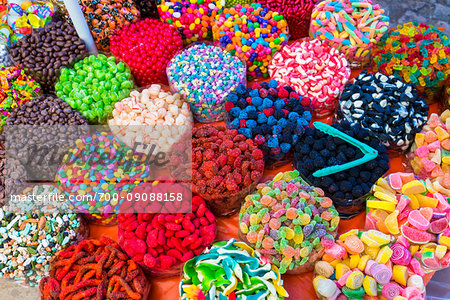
<point>273,142</point>
<point>246,131</point>
<point>307,115</point>
<point>271,121</point>
<point>273,84</point>
<point>267,103</point>
<point>262,118</point>
<point>302,122</point>
<point>233,98</point>
<point>254,93</point>
<point>243,115</point>
<point>276,129</point>
<point>279,104</point>
<point>234,112</point>
<point>241,89</point>
<point>234,124</point>
<point>250,109</point>
<point>257,101</point>
<point>293,116</point>
<point>285,147</point>
<point>251,124</point>
<point>282,123</point>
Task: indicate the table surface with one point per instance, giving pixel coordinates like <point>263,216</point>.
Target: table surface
<point>297,286</point>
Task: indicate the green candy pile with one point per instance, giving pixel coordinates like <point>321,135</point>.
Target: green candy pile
<point>94,85</point>
<point>232,3</point>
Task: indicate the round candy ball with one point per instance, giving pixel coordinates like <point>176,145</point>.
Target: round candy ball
<point>418,54</point>
<point>47,50</point>
<point>388,107</point>
<point>147,46</point>
<point>205,75</point>
<point>289,222</point>
<point>162,243</point>
<point>315,70</point>
<point>316,150</point>
<point>273,115</point>
<point>93,85</point>
<point>119,276</point>
<point>192,18</point>
<point>17,88</point>
<point>106,16</point>
<point>226,166</point>
<point>253,33</point>
<point>297,14</point>
<point>353,27</point>
<point>230,256</point>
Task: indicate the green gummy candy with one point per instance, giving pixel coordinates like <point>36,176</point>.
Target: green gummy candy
<point>351,293</point>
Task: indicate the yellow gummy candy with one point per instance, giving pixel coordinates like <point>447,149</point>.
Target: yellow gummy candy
<point>386,197</point>
<point>354,261</point>
<point>379,188</point>
<point>346,262</point>
<point>298,238</point>
<point>400,274</point>
<point>445,241</point>
<point>289,233</point>
<point>390,207</point>
<point>399,298</point>
<point>350,232</point>
<point>370,286</point>
<point>419,139</point>
<point>414,187</point>
<point>391,223</point>
<point>363,261</point>
<point>355,280</point>
<point>335,262</point>
<point>441,133</point>
<point>413,249</point>
<point>372,252</point>
<point>440,251</point>
<point>444,116</point>
<point>383,183</point>
<point>341,269</point>
<point>379,237</point>
<point>414,203</point>
<point>278,177</point>
<point>425,201</point>
<point>384,255</point>
<point>446,159</point>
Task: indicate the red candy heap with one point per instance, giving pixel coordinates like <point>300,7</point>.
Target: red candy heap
<point>162,242</point>
<point>296,12</point>
<point>147,46</point>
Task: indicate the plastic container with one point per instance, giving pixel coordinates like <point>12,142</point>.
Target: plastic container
<point>288,236</point>
<point>206,109</point>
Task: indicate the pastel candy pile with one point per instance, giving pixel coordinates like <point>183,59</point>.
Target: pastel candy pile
<point>147,47</point>
<point>416,53</point>
<point>93,85</point>
<point>429,156</point>
<point>273,115</point>
<point>161,243</point>
<point>100,165</point>
<point>205,75</point>
<point>288,221</point>
<point>404,206</point>
<point>315,70</point>
<point>16,88</point>
<point>353,27</point>
<point>226,166</point>
<point>368,264</point>
<point>192,18</point>
<point>388,107</point>
<point>316,150</point>
<point>254,33</point>
<point>213,274</point>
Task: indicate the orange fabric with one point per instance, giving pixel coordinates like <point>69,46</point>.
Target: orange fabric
<point>298,286</point>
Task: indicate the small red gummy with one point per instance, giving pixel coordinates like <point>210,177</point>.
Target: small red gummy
<point>228,105</point>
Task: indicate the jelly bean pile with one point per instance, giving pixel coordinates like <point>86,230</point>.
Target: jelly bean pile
<point>289,222</point>
<point>274,116</point>
<point>161,243</point>
<point>368,263</point>
<point>402,205</point>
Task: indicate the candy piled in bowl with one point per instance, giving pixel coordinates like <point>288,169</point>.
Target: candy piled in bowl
<point>353,27</point>
<point>275,116</point>
<point>162,243</point>
<point>389,108</point>
<point>315,70</point>
<point>257,278</point>
<point>226,166</point>
<point>289,222</point>
<point>403,206</point>
<point>368,264</point>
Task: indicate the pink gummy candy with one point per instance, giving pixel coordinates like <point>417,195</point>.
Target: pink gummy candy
<point>370,263</point>
<point>395,181</point>
<point>291,188</point>
<point>433,146</point>
<point>402,203</point>
<point>416,219</point>
<point>445,261</point>
<point>381,273</point>
<point>344,277</point>
<point>428,165</point>
<point>442,202</point>
<point>411,292</point>
<point>403,241</point>
<point>336,251</point>
<point>414,265</point>
<point>371,223</point>
<point>391,290</point>
<point>422,151</point>
<point>400,255</point>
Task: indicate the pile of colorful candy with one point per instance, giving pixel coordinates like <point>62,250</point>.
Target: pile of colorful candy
<point>98,173</point>
<point>29,241</point>
<point>389,108</point>
<point>252,32</point>
<point>353,27</point>
<point>147,47</point>
<point>94,85</point>
<point>46,51</point>
<point>274,116</point>
<point>16,88</point>
<point>429,156</point>
<point>94,268</point>
<point>368,264</point>
<point>402,205</point>
<point>104,17</point>
<point>192,18</point>
<point>289,222</point>
<point>161,243</point>
<point>314,70</point>
<point>257,279</point>
<point>297,14</point>
<point>316,150</point>
<point>205,75</point>
<point>418,54</point>
<point>226,166</point>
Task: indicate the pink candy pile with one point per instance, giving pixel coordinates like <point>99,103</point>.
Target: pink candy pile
<point>315,70</point>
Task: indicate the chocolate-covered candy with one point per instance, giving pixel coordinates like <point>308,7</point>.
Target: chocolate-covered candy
<point>47,50</point>
<point>12,176</point>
